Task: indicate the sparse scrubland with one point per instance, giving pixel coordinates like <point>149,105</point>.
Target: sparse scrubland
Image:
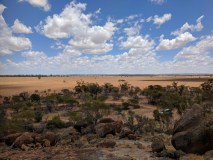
<point>123,122</point>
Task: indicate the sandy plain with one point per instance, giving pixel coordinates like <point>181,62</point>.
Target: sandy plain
<point>14,85</point>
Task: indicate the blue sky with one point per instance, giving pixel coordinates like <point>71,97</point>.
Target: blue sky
<point>106,37</point>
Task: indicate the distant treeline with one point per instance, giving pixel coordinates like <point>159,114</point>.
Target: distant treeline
<point>22,75</point>
<point>126,75</point>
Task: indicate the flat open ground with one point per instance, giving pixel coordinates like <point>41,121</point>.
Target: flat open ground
<point>14,85</point>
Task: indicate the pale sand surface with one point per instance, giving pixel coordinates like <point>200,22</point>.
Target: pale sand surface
<point>14,85</point>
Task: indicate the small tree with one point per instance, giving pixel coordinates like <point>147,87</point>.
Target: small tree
<point>17,106</point>
<point>124,87</point>
<point>38,116</point>
<point>94,110</point>
<point>24,95</point>
<point>35,98</point>
<point>49,107</point>
<point>207,91</point>
<point>107,88</point>
<point>2,114</point>
<point>16,99</point>
<point>94,89</point>
<point>156,115</point>
<point>6,100</point>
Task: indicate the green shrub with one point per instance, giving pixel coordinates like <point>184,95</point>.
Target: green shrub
<point>107,88</point>
<point>144,124</point>
<point>124,86</point>
<point>11,125</point>
<point>115,93</point>
<point>38,116</point>
<point>207,91</point>
<point>164,116</point>
<point>56,122</point>
<point>2,114</point>
<point>18,106</point>
<point>24,116</point>
<point>92,88</point>
<point>154,93</point>
<point>125,105</point>
<point>67,99</point>
<point>170,97</point>
<point>6,100</point>
<point>130,121</point>
<point>49,106</point>
<point>94,110</point>
<point>16,98</point>
<point>156,115</point>
<point>95,105</point>
<point>35,98</point>
<point>102,97</point>
<point>24,96</point>
<point>65,91</point>
<point>75,116</point>
<point>134,100</point>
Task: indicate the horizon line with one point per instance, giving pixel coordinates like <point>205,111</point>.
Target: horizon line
<point>63,75</point>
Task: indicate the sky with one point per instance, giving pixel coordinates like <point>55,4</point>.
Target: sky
<point>106,37</point>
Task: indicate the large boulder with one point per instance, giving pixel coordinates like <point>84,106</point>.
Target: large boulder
<point>38,138</point>
<point>157,145</point>
<point>107,144</point>
<point>75,137</point>
<point>125,132</point>
<point>80,125</point>
<point>11,138</point>
<point>18,140</point>
<point>105,120</point>
<point>88,130</point>
<point>51,137</point>
<point>25,138</point>
<point>46,143</point>
<point>193,133</point>
<point>102,129</point>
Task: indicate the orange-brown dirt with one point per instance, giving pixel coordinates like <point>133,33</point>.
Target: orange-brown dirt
<point>14,85</point>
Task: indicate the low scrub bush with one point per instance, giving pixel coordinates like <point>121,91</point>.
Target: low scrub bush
<point>125,105</point>
<point>38,116</point>
<point>56,122</point>
<point>75,116</point>
<point>94,110</point>
<point>35,98</point>
<point>11,126</point>
<point>24,116</point>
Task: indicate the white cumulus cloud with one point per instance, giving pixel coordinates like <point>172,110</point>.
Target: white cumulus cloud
<point>131,31</point>
<point>159,20</point>
<point>73,23</point>
<point>34,55</point>
<point>159,2</point>
<point>95,39</point>
<point>19,27</point>
<point>198,27</point>
<point>2,7</point>
<point>178,42</point>
<point>145,43</point>
<point>70,22</point>
<point>201,49</point>
<point>39,3</point>
<point>192,59</point>
<point>8,42</point>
